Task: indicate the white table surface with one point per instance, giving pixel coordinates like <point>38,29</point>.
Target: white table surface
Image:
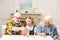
<point>20,37</point>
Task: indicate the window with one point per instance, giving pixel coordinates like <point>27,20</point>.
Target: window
<point>25,5</point>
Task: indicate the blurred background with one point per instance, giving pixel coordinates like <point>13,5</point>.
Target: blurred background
<point>29,7</point>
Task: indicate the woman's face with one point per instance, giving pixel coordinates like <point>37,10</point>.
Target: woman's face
<point>47,23</point>
<point>28,21</point>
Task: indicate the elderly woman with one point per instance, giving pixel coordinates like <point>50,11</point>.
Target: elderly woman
<point>47,28</point>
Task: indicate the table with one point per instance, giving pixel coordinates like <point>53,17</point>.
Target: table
<point>21,37</point>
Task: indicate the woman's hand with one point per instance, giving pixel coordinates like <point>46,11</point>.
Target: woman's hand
<point>42,34</point>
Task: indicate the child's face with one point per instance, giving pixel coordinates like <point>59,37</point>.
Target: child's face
<point>28,21</point>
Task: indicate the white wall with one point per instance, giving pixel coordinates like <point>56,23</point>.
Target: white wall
<point>8,7</point>
<point>46,6</point>
<point>57,19</point>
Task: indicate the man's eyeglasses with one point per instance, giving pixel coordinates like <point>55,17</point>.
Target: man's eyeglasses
<point>17,17</point>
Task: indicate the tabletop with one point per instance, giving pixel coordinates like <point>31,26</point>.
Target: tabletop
<point>21,37</point>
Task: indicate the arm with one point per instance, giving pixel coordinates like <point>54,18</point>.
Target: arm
<point>41,30</point>
<point>9,32</point>
<point>56,33</point>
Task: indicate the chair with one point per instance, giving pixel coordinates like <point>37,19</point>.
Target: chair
<point>3,29</point>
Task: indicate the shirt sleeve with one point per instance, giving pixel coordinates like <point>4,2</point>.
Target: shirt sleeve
<point>56,33</point>
<point>39,29</point>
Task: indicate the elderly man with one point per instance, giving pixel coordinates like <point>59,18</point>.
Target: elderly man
<point>47,28</point>
<point>13,24</point>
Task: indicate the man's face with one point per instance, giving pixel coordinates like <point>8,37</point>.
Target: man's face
<point>16,19</point>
